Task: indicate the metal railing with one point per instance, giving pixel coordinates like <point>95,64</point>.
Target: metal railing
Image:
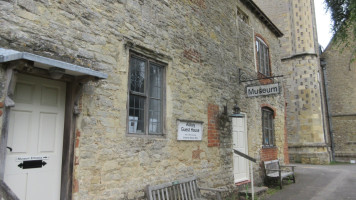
<point>6,193</point>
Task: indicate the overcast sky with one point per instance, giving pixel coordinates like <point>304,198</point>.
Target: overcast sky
<point>323,22</point>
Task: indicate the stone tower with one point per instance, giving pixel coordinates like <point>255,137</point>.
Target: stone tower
<point>307,138</point>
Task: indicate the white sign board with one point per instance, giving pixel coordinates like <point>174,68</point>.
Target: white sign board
<point>261,90</point>
<point>191,131</point>
<point>25,158</point>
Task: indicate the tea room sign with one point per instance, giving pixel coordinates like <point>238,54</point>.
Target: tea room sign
<point>261,90</point>
<point>189,130</point>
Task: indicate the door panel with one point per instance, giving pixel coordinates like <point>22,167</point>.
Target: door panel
<point>36,136</point>
<point>49,96</point>
<point>21,133</point>
<point>239,138</point>
<point>47,130</point>
<point>48,187</point>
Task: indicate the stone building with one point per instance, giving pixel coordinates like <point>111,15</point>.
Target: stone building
<point>308,138</point>
<point>339,77</point>
<point>101,98</point>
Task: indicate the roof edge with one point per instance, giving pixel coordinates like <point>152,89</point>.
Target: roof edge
<point>7,55</point>
<point>262,17</point>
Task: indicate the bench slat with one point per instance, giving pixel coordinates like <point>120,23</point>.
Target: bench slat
<point>167,194</point>
<point>159,196</point>
<point>181,191</point>
<point>185,191</point>
<point>189,185</point>
<point>191,190</point>
<point>154,195</point>
<point>162,192</point>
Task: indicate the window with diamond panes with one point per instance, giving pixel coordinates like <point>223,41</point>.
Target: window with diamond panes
<point>146,96</point>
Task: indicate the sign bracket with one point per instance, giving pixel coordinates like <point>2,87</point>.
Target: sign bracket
<point>244,77</point>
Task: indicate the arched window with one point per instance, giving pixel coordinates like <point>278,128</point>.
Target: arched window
<point>262,57</point>
<point>268,127</point>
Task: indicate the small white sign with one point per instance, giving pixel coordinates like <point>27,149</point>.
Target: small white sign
<point>133,124</point>
<point>191,131</point>
<point>261,90</point>
<point>25,158</point>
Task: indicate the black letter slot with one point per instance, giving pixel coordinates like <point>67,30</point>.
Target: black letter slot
<point>29,164</point>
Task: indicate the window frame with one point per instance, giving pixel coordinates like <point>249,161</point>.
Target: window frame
<point>271,114</point>
<point>266,70</point>
<point>147,60</point>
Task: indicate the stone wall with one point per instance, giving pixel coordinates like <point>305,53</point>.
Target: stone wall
<point>306,122</point>
<point>340,80</point>
<point>203,44</point>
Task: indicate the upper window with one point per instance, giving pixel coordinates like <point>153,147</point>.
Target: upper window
<point>146,92</point>
<point>263,63</point>
<point>243,16</point>
<point>268,127</point>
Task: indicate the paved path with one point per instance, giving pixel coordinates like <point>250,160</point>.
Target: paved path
<point>320,182</point>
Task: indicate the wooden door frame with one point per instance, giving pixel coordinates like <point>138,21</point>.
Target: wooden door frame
<point>73,92</point>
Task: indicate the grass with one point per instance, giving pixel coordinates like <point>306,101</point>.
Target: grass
<point>235,197</point>
<point>272,190</point>
<point>338,163</point>
<point>273,187</point>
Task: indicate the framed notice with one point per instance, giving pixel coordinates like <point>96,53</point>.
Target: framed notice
<point>190,130</point>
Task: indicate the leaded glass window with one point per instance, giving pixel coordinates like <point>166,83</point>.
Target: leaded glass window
<point>146,96</point>
<point>263,63</point>
<point>268,127</point>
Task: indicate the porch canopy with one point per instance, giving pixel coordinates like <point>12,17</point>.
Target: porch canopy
<point>7,55</point>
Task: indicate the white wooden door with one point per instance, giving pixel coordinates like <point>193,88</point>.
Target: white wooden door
<point>239,138</point>
<point>33,167</point>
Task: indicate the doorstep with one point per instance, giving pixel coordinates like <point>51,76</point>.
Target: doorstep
<point>257,190</point>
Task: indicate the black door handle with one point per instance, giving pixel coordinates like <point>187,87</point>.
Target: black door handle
<point>9,148</point>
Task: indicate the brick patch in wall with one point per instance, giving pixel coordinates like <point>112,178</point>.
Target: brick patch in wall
<point>270,107</point>
<point>192,55</point>
<point>264,81</point>
<point>75,186</point>
<point>1,106</point>
<point>242,183</point>
<point>213,132</point>
<point>196,153</point>
<point>77,135</point>
<point>269,154</point>
<point>200,3</point>
<point>76,162</point>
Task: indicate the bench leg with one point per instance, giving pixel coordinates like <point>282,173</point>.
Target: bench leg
<point>293,178</point>
<point>281,181</point>
<point>218,196</point>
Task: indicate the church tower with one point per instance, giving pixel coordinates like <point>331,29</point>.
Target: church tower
<point>307,134</point>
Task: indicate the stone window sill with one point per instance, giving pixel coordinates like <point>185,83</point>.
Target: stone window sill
<point>269,147</point>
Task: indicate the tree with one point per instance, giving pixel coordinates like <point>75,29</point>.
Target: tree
<point>343,15</point>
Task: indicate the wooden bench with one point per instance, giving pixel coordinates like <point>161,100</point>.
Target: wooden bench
<point>185,189</point>
<point>274,170</point>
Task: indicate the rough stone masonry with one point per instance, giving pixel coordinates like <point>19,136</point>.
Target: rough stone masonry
<point>203,44</point>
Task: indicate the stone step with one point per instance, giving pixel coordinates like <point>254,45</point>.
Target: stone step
<point>258,191</point>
